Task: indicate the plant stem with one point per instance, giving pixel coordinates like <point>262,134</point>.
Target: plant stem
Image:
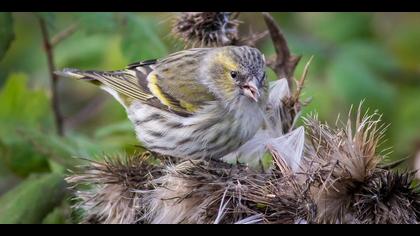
<point>64,34</point>
<point>54,78</point>
<point>284,63</point>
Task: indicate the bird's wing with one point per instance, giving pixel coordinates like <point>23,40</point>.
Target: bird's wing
<point>153,82</point>
<point>178,77</point>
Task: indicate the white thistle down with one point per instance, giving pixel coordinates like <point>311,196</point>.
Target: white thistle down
<point>279,90</point>
<point>289,146</point>
<point>254,219</point>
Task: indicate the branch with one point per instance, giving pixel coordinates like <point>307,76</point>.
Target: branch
<point>283,63</point>
<point>54,78</point>
<point>64,34</point>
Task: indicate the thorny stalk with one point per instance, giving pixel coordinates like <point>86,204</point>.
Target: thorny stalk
<point>49,44</point>
<point>54,78</point>
<point>284,63</point>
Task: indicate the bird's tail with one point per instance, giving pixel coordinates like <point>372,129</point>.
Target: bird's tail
<point>108,81</point>
<point>90,76</point>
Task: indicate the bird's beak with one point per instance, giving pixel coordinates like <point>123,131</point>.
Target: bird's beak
<point>250,90</point>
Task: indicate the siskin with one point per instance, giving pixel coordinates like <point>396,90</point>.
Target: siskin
<point>196,103</point>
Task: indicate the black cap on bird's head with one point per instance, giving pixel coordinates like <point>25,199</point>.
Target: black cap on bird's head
<point>238,71</point>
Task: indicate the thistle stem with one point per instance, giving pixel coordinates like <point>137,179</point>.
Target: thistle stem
<point>48,47</point>
<point>284,63</point>
<point>64,34</point>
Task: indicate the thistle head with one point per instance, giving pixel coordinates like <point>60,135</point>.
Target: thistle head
<point>206,29</point>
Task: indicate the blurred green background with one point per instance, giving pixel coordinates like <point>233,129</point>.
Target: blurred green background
<point>371,56</point>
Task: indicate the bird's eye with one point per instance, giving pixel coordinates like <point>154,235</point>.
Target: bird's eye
<point>263,77</point>
<point>234,74</point>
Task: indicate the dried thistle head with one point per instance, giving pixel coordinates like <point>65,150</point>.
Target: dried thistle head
<point>349,186</point>
<point>206,29</point>
<point>194,191</point>
<point>388,198</point>
<point>282,196</point>
<point>106,191</point>
<point>341,159</point>
<point>216,192</point>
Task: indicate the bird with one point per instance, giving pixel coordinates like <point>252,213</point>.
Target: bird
<point>195,103</point>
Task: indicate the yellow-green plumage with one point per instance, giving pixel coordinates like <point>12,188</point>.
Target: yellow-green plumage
<point>202,102</point>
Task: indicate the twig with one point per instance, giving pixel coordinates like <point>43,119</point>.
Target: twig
<point>54,78</point>
<point>283,63</point>
<point>301,82</point>
<point>253,38</point>
<point>64,34</point>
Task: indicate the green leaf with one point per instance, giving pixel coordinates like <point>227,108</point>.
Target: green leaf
<point>22,109</point>
<point>20,105</point>
<point>6,32</point>
<point>7,179</point>
<point>63,152</point>
<point>141,40</point>
<point>54,150</point>
<point>22,159</point>
<point>32,200</point>
<point>57,216</point>
<point>97,22</point>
